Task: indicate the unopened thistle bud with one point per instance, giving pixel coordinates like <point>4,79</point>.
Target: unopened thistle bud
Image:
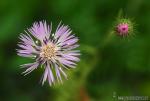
<point>124,27</point>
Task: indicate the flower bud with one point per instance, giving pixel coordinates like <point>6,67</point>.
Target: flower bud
<point>124,27</point>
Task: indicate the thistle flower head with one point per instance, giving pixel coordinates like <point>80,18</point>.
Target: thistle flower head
<point>52,51</point>
<point>124,27</point>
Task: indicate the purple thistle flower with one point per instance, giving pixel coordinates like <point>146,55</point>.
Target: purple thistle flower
<point>52,51</point>
<point>122,29</point>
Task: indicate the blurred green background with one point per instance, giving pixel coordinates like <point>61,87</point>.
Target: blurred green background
<point>109,65</point>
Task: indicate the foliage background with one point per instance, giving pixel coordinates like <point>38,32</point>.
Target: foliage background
<point>109,65</point>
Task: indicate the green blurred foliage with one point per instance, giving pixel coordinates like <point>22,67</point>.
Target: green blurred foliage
<point>108,63</point>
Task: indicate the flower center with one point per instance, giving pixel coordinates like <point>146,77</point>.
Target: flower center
<point>122,29</point>
<point>48,51</point>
